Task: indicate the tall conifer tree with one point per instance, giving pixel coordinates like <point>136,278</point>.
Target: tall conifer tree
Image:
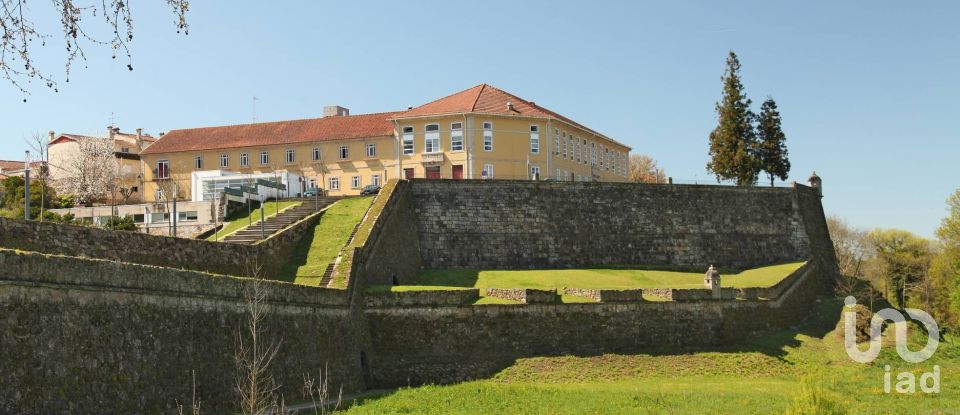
<point>733,143</point>
<point>773,143</point>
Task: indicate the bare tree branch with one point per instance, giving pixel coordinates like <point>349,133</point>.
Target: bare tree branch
<point>20,35</point>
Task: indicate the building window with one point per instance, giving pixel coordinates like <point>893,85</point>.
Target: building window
<point>456,136</point>
<point>264,158</point>
<point>431,138</point>
<point>375,180</point>
<point>125,150</point>
<point>577,147</point>
<point>558,174</point>
<point>334,183</point>
<point>163,169</point>
<point>355,182</point>
<point>487,172</point>
<point>570,139</point>
<point>198,162</point>
<point>313,184</point>
<point>534,139</point>
<point>556,141</point>
<point>371,149</point>
<point>159,217</point>
<point>291,156</point>
<point>315,154</point>
<point>191,215</point>
<point>564,148</point>
<point>160,194</point>
<point>534,172</point>
<point>488,136</point>
<point>344,152</point>
<point>224,160</point>
<point>407,140</point>
<point>244,159</point>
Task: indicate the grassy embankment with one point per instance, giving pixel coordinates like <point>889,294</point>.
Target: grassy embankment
<point>242,219</point>
<point>584,278</point>
<point>320,246</point>
<point>759,377</point>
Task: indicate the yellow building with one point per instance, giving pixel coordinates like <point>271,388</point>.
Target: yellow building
<point>479,133</point>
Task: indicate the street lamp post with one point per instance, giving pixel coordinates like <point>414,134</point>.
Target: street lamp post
<point>26,185</point>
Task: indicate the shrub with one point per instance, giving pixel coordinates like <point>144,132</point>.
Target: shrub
<point>815,399</point>
<point>120,224</point>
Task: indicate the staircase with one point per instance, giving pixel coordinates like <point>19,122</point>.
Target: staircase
<point>279,222</point>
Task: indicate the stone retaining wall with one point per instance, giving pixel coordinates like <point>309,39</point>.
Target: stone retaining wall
<point>497,224</point>
<point>606,296</point>
<point>523,295</point>
<point>421,298</point>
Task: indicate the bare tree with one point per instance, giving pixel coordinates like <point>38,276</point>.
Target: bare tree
<point>851,246</point>
<point>643,169</point>
<point>255,352</point>
<point>21,34</point>
<point>39,145</point>
<point>194,402</point>
<point>318,390</point>
<point>89,172</point>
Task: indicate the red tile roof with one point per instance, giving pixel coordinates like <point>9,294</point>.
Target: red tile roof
<point>15,165</point>
<point>487,99</point>
<point>271,133</point>
<point>481,99</point>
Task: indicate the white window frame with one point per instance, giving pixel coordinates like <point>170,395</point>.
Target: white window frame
<point>315,154</point>
<point>198,162</point>
<point>290,156</point>
<point>556,141</point>
<point>535,139</point>
<point>355,182</point>
<point>163,173</point>
<point>456,136</point>
<point>487,172</point>
<point>264,158</point>
<point>343,152</point>
<point>375,180</point>
<point>159,193</point>
<point>534,172</point>
<point>431,138</point>
<point>407,140</point>
<point>371,150</point>
<point>224,161</point>
<point>487,136</point>
<point>244,159</point>
<point>333,183</point>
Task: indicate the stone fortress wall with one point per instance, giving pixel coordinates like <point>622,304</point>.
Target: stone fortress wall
<point>90,335</point>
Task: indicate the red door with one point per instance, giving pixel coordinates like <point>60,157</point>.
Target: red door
<point>458,172</point>
<point>408,173</point>
<point>433,172</point>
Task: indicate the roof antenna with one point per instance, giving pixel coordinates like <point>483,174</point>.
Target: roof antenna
<point>254,108</point>
<point>113,119</point>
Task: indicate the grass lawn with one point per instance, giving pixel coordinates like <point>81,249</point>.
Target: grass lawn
<point>765,376</point>
<point>598,278</point>
<point>243,220</point>
<point>320,246</point>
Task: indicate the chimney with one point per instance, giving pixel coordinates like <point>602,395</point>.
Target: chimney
<point>52,136</point>
<point>140,138</point>
<point>335,111</point>
<point>161,134</point>
<point>110,131</point>
<point>509,106</point>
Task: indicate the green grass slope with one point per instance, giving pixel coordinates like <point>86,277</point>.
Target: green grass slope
<point>320,246</point>
<point>242,220</point>
<point>768,376</point>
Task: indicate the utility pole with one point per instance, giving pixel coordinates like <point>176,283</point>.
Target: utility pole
<point>26,185</point>
<point>174,218</point>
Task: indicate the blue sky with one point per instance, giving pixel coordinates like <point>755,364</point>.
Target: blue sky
<point>869,91</point>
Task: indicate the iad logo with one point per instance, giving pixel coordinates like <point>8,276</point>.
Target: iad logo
<point>906,381</point>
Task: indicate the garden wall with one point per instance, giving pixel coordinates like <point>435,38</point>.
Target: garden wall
<point>497,224</point>
<point>93,336</point>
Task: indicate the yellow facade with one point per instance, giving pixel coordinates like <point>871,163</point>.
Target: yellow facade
<point>559,150</point>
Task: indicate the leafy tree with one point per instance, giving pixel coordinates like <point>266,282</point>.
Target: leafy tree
<point>949,231</point>
<point>21,35</point>
<point>772,150</point>
<point>945,268</point>
<point>40,195</point>
<point>643,169</point>
<point>904,259</point>
<point>733,143</point>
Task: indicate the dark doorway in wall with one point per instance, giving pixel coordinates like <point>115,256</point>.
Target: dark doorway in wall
<point>433,172</point>
<point>457,172</point>
<point>408,173</point>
